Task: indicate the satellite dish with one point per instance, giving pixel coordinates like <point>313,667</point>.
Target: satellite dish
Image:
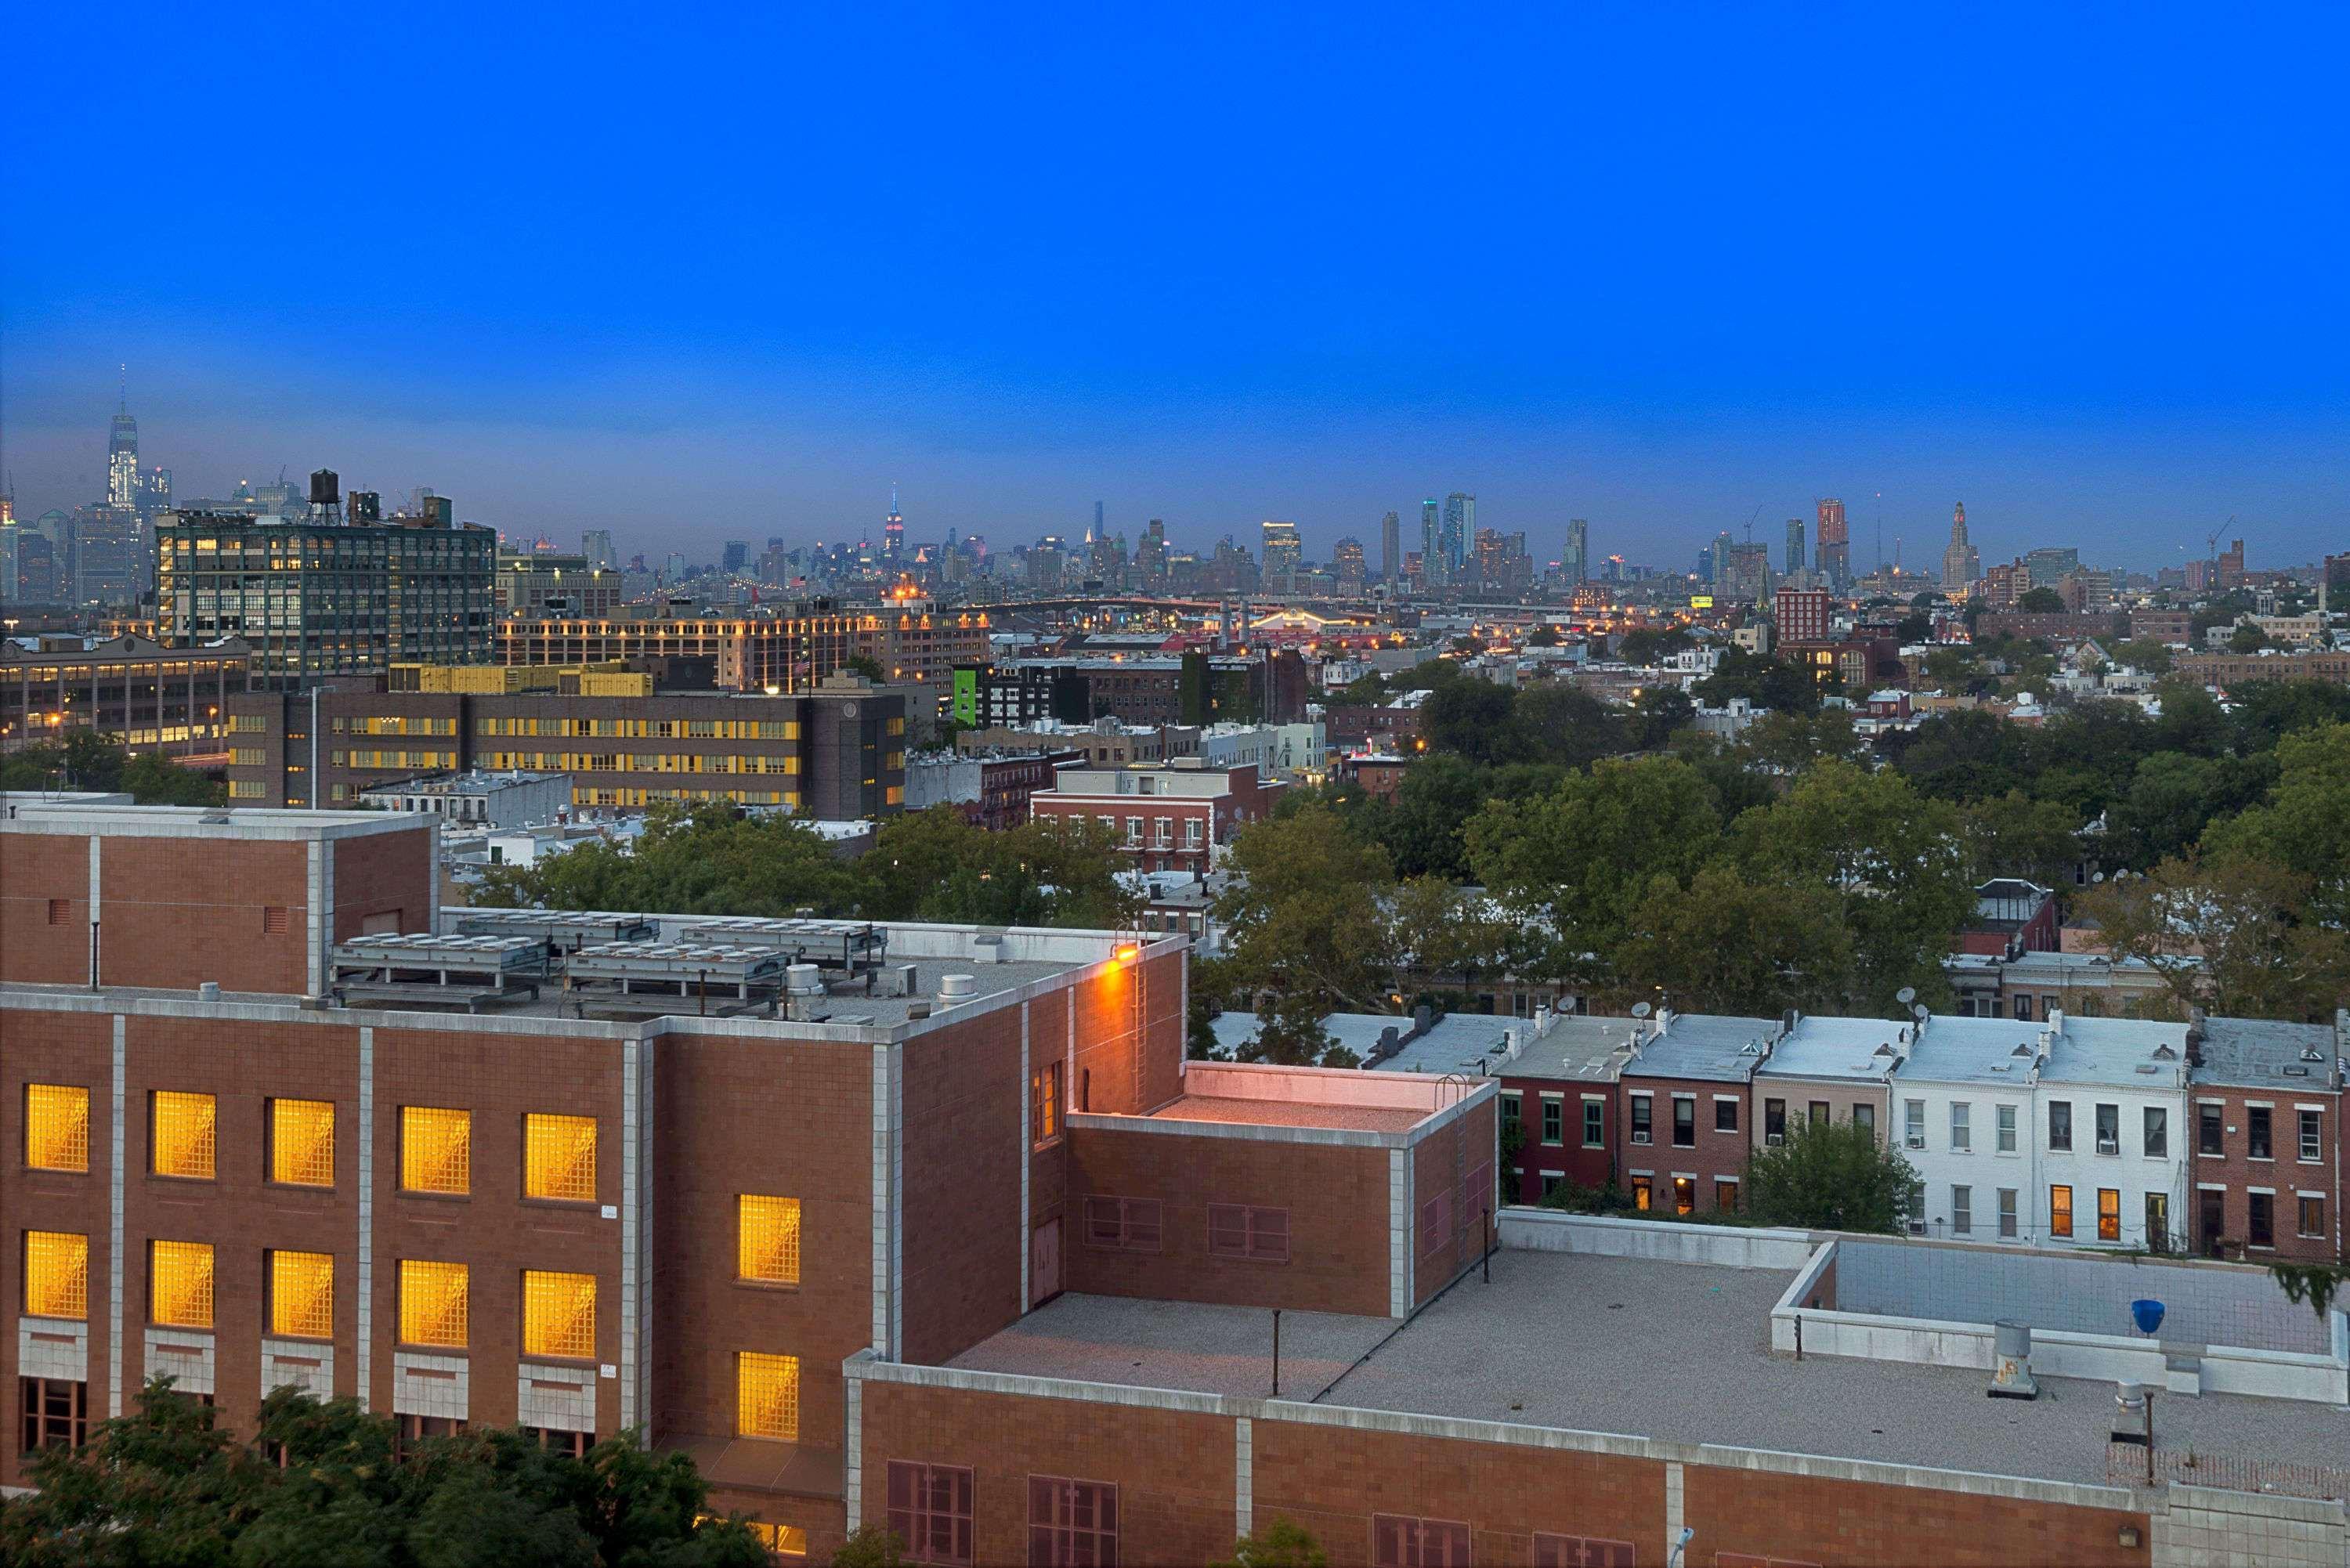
<point>1920,1012</point>
<point>1905,995</point>
<point>1641,1010</point>
<point>2098,877</point>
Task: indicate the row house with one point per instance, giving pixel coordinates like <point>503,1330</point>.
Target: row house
<point>1682,1092</point>
<point>2267,1163</point>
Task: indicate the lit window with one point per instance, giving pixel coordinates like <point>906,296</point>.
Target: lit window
<point>432,1302</point>
<point>558,1157</point>
<point>436,1149</point>
<point>1044,1104</point>
<point>56,1274</point>
<point>182,1135</point>
<point>180,1283</point>
<point>767,1396</point>
<point>302,1294</point>
<point>56,1127</point>
<point>302,1142</point>
<point>769,1248</point>
<point>558,1314</point>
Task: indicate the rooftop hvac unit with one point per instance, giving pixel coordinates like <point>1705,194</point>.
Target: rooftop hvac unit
<point>2012,1355</point>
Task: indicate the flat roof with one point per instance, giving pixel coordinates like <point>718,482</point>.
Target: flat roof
<point>1288,1114</point>
<point>1457,1043</point>
<point>1834,1048</point>
<point>2258,1053</point>
<point>1719,1048</point>
<point>1676,1352</point>
<point>1587,1050</point>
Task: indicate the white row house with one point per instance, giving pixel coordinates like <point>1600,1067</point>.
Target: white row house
<point>2067,1132</point>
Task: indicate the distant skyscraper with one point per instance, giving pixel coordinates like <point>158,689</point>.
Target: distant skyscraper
<point>1960,563</point>
<point>1835,545</point>
<point>1346,556</point>
<point>595,544</point>
<point>1460,528</point>
<point>1794,547</point>
<point>1575,565</point>
<point>737,552</point>
<point>123,462</point>
<point>2051,564</point>
<point>1431,544</point>
<point>893,530</point>
<point>1717,560</point>
<point>1283,552</point>
<point>1390,547</point>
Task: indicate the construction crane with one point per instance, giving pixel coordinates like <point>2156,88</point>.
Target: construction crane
<point>2211,540</point>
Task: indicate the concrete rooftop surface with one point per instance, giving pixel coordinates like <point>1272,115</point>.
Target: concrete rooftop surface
<point>1677,1352</point>
<point>1288,1114</point>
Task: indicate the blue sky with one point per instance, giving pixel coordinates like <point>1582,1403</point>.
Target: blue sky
<point>694,278</point>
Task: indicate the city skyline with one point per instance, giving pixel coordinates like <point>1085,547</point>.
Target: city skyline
<point>1179,313</point>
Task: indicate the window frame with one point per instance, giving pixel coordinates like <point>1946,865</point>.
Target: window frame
<point>34,1113</point>
<point>1135,1224</point>
<point>2211,1129</point>
<point>2259,1132</point>
<point>791,1218</point>
<point>407,1149</point>
<point>1684,1121</point>
<point>789,1365</point>
<point>2060,1109</point>
<point>538,1125</point>
<point>2255,1226</point>
<point>2109,1214</point>
<point>548,1280</point>
<point>917,1519</point>
<point>1263,1232</point>
<point>2154,1131</point>
<point>1053,1540</point>
<point>155,1107</point>
<point>2063,1228</point>
<point>1414,1535</point>
<point>1046,1109</point>
<point>271,1151</point>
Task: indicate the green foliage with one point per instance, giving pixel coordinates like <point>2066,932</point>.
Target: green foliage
<point>925,866</point>
<point>1830,1177</point>
<point>1767,682</point>
<point>2235,935</point>
<point>1280,1544</point>
<point>2316,1284</point>
<point>2304,820</point>
<point>2247,638</point>
<point>1304,914</point>
<point>867,666</point>
<point>1643,646</point>
<point>84,760</point>
<point>167,1486</point>
<point>2146,654</point>
<point>2041,601</point>
<point>1722,944</point>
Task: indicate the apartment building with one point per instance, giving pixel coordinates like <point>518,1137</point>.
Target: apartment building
<point>836,752</point>
<point>1683,1139</point>
<point>1176,818</point>
<point>909,643</point>
<point>2063,1132</point>
<point>1560,1093</point>
<point>2267,1153</point>
<point>1824,1072</point>
<point>253,1149</point>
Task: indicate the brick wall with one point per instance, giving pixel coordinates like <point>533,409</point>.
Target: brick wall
<point>1173,1469</point>
<point>1816,1519</point>
<point>1336,1197</point>
<point>383,874</point>
<point>42,866</point>
<point>779,1119</point>
<point>2285,1175</point>
<point>963,1103</point>
<point>160,892</point>
<point>66,1049</point>
<point>1717,1156</point>
<point>1443,1162</point>
<point>1568,1158</point>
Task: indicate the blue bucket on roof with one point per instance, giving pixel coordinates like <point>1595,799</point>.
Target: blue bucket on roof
<point>2147,1315</point>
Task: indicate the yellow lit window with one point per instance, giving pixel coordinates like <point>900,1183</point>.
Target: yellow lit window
<point>436,1149</point>
<point>431,1303</point>
<point>302,1142</point>
<point>767,1396</point>
<point>769,1247</point>
<point>184,1134</point>
<point>558,1157</point>
<point>56,1127</point>
<point>56,1274</point>
<point>302,1294</point>
<point>180,1283</point>
<point>780,1539</point>
<point>558,1314</point>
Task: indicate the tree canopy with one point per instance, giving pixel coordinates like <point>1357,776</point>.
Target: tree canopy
<point>169,1486</point>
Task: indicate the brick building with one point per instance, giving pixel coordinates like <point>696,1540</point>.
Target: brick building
<point>2051,625</point>
<point>130,689</point>
<point>836,752</point>
<point>587,1216</point>
<point>1802,614</point>
<point>1682,1134</point>
<point>1560,1093</point>
<point>1176,818</point>
<point>792,652</point>
<point>2013,916</point>
<point>2267,1165</point>
<point>2225,669</point>
<point>1824,1072</point>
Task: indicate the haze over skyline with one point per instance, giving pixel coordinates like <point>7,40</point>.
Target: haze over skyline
<point>694,281</point>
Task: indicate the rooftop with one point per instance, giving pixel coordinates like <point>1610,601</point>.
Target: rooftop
<point>1472,1042</point>
<point>1588,1049</point>
<point>1703,1046</point>
<point>2256,1053</point>
<point>1836,1048</point>
<point>1677,1352</point>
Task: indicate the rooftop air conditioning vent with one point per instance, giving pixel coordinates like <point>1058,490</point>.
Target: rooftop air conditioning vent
<point>2312,1055</point>
<point>2021,1051</point>
<point>2003,1067</point>
<point>2148,1067</point>
<point>2296,1071</point>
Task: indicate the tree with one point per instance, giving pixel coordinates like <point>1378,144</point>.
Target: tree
<point>867,666</point>
<point>706,859</point>
<point>1645,645</point>
<point>1582,856</point>
<point>1765,683</point>
<point>1306,911</point>
<point>1467,717</point>
<point>2145,654</point>
<point>1561,725</point>
<point>2304,822</point>
<point>1543,635</point>
<point>2015,835</point>
<point>1914,628</point>
<point>2247,638</point>
<point>2230,933</point>
<point>1830,1176</point>
<point>1790,743</point>
<point>1442,933</point>
<point>869,1547</point>
<point>1280,1544</point>
<point>1725,945</point>
<point>2041,601</point>
<point>167,1485</point>
<point>1289,1033</point>
<point>1050,871</point>
<point>1894,861</point>
<point>1657,712</point>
